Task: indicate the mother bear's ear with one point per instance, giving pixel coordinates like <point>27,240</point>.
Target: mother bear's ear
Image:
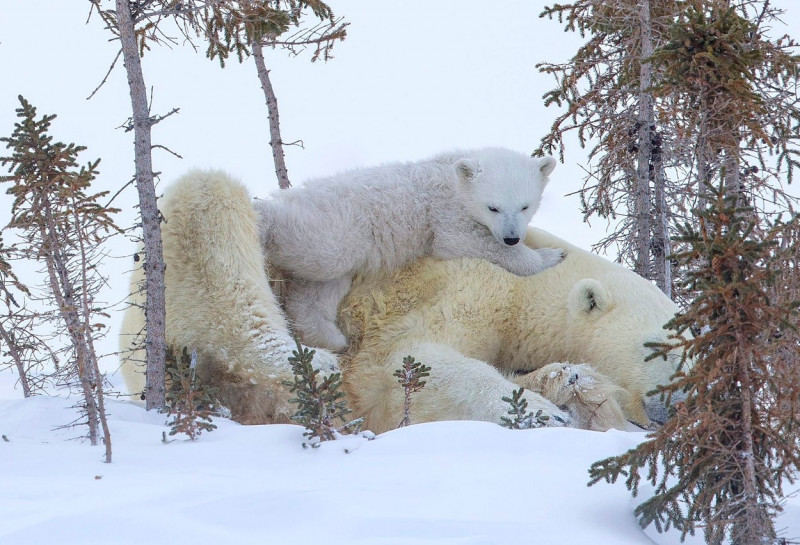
<point>588,295</point>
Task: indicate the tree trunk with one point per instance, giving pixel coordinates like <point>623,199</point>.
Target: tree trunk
<point>275,141</point>
<point>642,207</point>
<point>753,527</point>
<point>155,310</point>
<point>662,245</point>
<point>86,309</point>
<point>11,345</point>
<point>703,156</point>
<point>60,286</point>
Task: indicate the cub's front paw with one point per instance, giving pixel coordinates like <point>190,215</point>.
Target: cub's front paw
<point>528,261</point>
<point>550,257</point>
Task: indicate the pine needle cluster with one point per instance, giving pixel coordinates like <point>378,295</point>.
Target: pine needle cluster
<point>721,461</point>
<point>519,418</point>
<point>190,403</point>
<point>234,26</point>
<point>320,404</point>
<point>410,378</point>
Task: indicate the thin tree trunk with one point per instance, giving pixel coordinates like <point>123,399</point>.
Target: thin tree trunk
<point>62,290</point>
<point>754,527</point>
<point>663,246</point>
<point>275,141</point>
<point>703,156</point>
<point>733,178</point>
<point>17,358</point>
<point>643,210</point>
<point>155,309</point>
<point>660,245</point>
<point>86,309</point>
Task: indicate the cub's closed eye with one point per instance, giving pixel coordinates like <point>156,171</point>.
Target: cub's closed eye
<point>524,207</point>
<point>493,209</point>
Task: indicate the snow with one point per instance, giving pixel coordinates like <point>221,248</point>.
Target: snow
<point>442,482</point>
<point>412,79</point>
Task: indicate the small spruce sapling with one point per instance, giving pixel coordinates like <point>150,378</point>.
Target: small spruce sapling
<point>63,227</point>
<point>189,402</point>
<point>319,404</point>
<point>518,409</point>
<point>410,378</point>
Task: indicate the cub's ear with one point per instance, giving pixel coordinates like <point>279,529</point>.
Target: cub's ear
<point>546,165</point>
<point>588,295</point>
<point>467,169</point>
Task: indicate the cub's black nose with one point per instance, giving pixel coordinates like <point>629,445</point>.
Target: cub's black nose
<point>511,241</point>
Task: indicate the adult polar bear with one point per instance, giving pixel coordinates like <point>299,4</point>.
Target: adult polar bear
<point>458,316</point>
<point>473,322</point>
<point>474,203</point>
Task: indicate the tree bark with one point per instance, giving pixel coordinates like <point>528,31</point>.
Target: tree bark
<point>155,309</point>
<point>275,141</point>
<point>86,309</point>
<point>642,207</point>
<point>60,286</point>
<point>17,358</point>
<point>753,526</point>
<point>662,245</point>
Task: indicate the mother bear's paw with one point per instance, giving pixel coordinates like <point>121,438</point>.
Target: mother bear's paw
<point>590,398</point>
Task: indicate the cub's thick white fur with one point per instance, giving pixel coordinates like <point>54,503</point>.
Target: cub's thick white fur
<point>461,204</point>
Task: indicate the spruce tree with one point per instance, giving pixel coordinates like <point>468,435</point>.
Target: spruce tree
<point>410,378</point>
<point>320,404</point>
<point>190,404</point>
<point>519,418</point>
<point>666,94</point>
<point>721,461</point>
<point>63,227</point>
<point>245,27</point>
<point>606,95</point>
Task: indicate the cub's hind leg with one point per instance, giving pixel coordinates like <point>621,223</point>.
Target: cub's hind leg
<point>312,308</point>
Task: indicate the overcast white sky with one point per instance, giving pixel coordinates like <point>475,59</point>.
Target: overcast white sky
<point>412,79</point>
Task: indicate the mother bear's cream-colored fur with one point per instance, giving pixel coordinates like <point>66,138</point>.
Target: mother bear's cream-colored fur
<point>572,335</point>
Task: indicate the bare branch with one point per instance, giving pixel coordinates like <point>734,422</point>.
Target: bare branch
<point>159,118</point>
<point>105,78</point>
<point>159,146</point>
<point>120,190</point>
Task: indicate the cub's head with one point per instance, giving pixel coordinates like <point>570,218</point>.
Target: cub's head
<point>502,189</point>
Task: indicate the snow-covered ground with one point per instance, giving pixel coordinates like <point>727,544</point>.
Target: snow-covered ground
<point>444,483</point>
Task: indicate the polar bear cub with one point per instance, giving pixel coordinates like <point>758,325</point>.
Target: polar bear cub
<point>460,204</point>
